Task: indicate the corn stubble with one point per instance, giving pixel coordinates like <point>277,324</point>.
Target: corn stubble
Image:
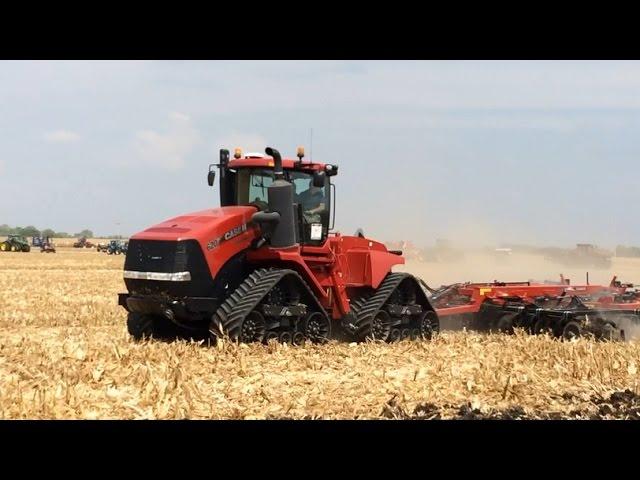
<point>65,353</point>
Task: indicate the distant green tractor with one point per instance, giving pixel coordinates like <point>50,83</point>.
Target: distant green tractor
<point>15,243</point>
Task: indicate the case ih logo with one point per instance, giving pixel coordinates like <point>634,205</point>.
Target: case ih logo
<point>234,232</point>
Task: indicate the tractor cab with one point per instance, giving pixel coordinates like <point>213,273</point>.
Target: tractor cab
<point>245,180</point>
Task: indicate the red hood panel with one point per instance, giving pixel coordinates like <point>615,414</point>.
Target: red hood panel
<point>202,226</point>
<point>221,232</point>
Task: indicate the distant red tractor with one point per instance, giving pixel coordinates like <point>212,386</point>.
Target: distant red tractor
<point>83,243</point>
<point>47,246</point>
<point>266,265</point>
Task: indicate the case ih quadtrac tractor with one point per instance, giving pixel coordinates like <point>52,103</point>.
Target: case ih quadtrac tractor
<point>265,265</point>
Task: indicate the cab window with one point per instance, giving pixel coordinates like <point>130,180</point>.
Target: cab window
<point>252,185</point>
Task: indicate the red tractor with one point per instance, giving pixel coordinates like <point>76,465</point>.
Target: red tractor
<point>83,243</point>
<point>266,265</point>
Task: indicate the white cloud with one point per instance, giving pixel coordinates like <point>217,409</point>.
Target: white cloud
<point>61,136</point>
<point>168,150</point>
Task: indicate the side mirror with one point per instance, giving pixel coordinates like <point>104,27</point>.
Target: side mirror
<point>211,176</point>
<point>318,179</point>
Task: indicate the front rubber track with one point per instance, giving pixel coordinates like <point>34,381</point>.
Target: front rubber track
<point>227,320</point>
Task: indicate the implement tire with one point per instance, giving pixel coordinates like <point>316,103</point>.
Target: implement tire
<point>571,330</point>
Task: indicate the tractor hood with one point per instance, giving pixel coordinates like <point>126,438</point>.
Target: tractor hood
<point>221,234</point>
<point>204,226</point>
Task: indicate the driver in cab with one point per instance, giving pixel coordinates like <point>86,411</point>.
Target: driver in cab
<point>313,202</point>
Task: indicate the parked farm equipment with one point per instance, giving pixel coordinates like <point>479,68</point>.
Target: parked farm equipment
<point>116,247</point>
<point>47,247</point>
<point>15,243</point>
<point>102,247</point>
<point>83,243</point>
<point>40,241</point>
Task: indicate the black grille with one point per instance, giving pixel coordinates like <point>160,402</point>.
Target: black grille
<point>168,257</point>
<point>156,256</point>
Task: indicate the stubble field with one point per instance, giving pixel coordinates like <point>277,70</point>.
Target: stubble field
<point>65,353</point>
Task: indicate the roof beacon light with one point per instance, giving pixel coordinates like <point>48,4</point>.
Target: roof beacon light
<point>300,155</point>
<point>237,153</point>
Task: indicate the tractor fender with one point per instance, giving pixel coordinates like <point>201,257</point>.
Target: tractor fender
<point>379,264</point>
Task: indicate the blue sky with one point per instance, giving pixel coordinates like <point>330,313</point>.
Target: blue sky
<point>479,152</point>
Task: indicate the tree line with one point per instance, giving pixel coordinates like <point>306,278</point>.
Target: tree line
<point>31,231</point>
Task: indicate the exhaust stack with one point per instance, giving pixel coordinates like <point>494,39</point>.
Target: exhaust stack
<point>277,163</point>
<point>280,221</point>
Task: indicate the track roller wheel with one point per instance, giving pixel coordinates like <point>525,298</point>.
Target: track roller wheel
<point>285,337</point>
<point>429,325</point>
<point>571,330</point>
<point>317,327</point>
<point>270,336</point>
<point>405,334</point>
<point>298,338</point>
<point>253,328</point>
<point>415,334</point>
<point>380,327</point>
<point>394,336</point>
<point>14,248</point>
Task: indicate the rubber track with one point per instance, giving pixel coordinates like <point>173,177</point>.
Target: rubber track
<point>356,305</point>
<point>247,296</point>
<point>366,313</point>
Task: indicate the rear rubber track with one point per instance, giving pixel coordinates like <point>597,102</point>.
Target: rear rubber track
<point>366,310</point>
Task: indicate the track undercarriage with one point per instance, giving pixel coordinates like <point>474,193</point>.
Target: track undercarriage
<point>277,304</point>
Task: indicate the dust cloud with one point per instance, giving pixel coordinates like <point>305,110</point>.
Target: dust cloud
<point>469,250</point>
<point>475,266</point>
<point>629,325</point>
